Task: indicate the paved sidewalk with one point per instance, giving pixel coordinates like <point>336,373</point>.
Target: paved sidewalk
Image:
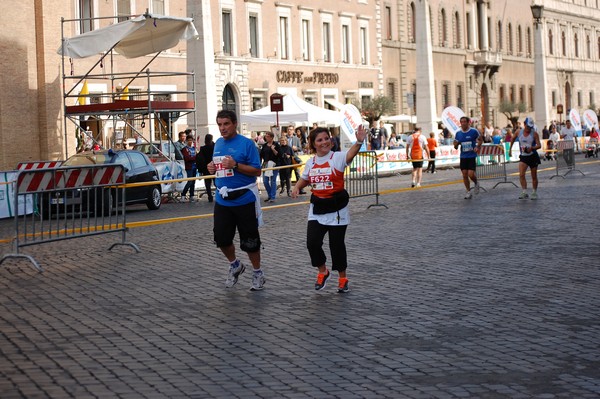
<point>450,298</point>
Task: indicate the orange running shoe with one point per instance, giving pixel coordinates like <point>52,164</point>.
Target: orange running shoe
<point>343,285</point>
<point>321,280</point>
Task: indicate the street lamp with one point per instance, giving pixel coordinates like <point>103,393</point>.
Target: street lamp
<point>537,10</point>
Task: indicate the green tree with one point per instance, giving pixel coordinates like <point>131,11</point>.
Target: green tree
<point>374,108</point>
<point>512,111</point>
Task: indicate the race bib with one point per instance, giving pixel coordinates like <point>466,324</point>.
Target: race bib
<point>466,146</point>
<point>320,178</point>
<point>221,171</point>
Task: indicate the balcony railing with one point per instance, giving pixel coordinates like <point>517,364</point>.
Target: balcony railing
<point>486,57</point>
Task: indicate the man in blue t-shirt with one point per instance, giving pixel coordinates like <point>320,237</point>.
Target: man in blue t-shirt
<point>469,140</point>
<point>236,164</point>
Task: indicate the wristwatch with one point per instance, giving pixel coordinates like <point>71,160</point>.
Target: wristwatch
<point>235,166</point>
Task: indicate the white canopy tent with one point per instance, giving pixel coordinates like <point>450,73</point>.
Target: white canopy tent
<point>143,35</point>
<point>295,110</point>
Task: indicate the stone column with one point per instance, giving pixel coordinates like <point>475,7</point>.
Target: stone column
<point>541,78</point>
<point>483,26</point>
<point>425,96</point>
<point>201,60</point>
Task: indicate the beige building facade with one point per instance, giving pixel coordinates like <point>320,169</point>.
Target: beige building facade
<point>328,53</point>
<point>483,54</point>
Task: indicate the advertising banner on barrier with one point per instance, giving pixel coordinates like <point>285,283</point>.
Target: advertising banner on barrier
<point>7,197</point>
<point>575,121</point>
<point>169,171</point>
<point>590,119</point>
<point>451,118</point>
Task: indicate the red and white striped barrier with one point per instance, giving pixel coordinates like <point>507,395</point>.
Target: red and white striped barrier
<point>491,150</point>
<point>38,165</point>
<point>32,181</point>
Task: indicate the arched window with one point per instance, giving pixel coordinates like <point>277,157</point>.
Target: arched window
<point>509,39</point>
<point>528,42</point>
<point>519,40</point>
<point>499,36</point>
<point>443,29</point>
<point>457,43</point>
<point>229,99</point>
<point>550,42</point>
<point>576,44</point>
<point>563,39</point>
<point>411,23</point>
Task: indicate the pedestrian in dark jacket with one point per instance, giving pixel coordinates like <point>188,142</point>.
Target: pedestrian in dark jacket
<point>204,157</point>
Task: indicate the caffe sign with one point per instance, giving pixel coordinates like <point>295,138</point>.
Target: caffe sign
<point>300,77</point>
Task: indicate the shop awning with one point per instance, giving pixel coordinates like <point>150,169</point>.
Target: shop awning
<point>143,35</point>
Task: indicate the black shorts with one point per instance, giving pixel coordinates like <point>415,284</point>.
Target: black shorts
<point>532,160</point>
<point>417,164</point>
<point>242,217</point>
<point>468,164</point>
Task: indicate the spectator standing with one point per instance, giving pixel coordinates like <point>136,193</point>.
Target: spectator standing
<point>295,144</point>
<point>204,157</point>
<point>138,138</point>
<point>286,159</point>
<point>376,138</point>
<point>469,140</point>
<point>302,138</point>
<point>415,146</point>
<point>496,137</point>
<point>384,134</point>
<point>545,133</point>
<point>179,144</point>
<point>335,141</point>
<point>236,164</point>
<point>529,143</point>
<point>328,211</point>
<point>554,136</point>
<point>508,135</point>
<point>447,136</point>
<point>568,132</point>
<point>189,158</point>
<point>270,154</point>
<point>431,146</point>
<point>488,131</point>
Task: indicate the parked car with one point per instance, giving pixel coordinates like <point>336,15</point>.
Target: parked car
<point>137,167</point>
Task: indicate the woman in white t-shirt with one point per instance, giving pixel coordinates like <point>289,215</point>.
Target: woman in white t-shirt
<point>328,212</point>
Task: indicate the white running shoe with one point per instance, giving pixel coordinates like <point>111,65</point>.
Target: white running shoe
<point>234,273</point>
<point>468,195</point>
<point>258,281</point>
<point>524,195</point>
<point>533,196</point>
<point>476,188</point>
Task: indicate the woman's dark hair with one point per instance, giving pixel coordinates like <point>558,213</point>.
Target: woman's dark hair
<point>208,138</point>
<point>312,136</point>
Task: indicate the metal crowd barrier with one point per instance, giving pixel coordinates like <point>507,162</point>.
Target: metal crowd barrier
<point>565,158</point>
<point>361,178</point>
<point>491,164</point>
<point>69,202</point>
